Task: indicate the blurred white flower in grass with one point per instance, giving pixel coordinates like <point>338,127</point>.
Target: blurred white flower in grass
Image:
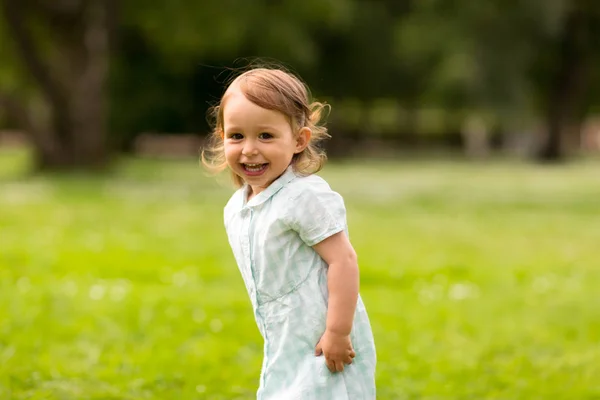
<point>463,290</point>
<point>199,316</point>
<point>245,354</point>
<point>92,352</point>
<point>119,290</point>
<point>97,292</point>
<point>7,353</point>
<point>237,389</point>
<point>93,242</point>
<point>200,389</point>
<point>187,276</point>
<point>137,383</point>
<point>574,282</point>
<point>216,325</point>
<point>114,290</point>
<point>70,288</point>
<point>543,283</point>
<point>26,193</point>
<point>180,278</point>
<point>430,292</point>
<point>146,315</point>
<point>23,284</point>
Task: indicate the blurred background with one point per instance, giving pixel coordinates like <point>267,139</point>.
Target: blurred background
<point>475,207</point>
<point>84,80</point>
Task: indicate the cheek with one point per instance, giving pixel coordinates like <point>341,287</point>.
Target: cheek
<point>231,152</point>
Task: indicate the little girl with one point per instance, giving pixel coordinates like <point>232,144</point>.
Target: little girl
<point>289,236</point>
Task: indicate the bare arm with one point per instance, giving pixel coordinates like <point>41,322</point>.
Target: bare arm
<point>342,281</point>
<point>343,285</point>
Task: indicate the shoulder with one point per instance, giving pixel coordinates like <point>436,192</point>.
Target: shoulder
<point>311,196</point>
<point>313,209</point>
<point>311,186</point>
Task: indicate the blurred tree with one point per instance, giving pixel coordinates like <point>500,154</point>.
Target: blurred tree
<point>404,67</point>
<point>355,71</point>
<point>568,65</point>
<point>513,59</point>
<point>56,89</point>
<point>167,74</point>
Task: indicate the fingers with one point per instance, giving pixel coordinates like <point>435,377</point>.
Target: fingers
<point>338,365</point>
<point>335,366</point>
<point>351,354</point>
<point>330,365</point>
<point>318,349</point>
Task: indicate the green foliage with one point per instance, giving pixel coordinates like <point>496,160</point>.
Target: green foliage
<point>14,80</point>
<point>182,30</point>
<point>171,58</point>
<point>480,281</point>
<point>167,74</point>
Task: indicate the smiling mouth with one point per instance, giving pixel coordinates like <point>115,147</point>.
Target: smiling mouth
<point>254,169</point>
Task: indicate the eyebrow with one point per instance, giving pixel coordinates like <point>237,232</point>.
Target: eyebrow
<point>261,128</point>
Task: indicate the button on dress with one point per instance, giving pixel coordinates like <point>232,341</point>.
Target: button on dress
<point>271,237</point>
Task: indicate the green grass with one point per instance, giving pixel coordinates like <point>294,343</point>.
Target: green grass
<point>481,281</point>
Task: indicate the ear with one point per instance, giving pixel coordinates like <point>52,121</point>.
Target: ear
<point>302,139</point>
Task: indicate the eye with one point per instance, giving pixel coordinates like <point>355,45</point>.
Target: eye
<point>235,136</point>
<point>265,135</point>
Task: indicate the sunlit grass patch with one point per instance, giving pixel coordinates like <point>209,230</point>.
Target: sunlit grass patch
<point>481,281</point>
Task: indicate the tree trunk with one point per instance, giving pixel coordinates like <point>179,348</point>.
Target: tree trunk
<point>74,134</point>
<point>88,111</point>
<point>569,84</point>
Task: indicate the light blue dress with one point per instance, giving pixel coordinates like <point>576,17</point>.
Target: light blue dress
<point>271,237</point>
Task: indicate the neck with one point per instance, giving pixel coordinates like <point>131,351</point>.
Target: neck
<point>252,191</point>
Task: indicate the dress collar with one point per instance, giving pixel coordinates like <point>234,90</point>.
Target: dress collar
<point>273,188</point>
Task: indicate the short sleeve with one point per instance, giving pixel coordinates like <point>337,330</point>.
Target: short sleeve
<point>316,213</point>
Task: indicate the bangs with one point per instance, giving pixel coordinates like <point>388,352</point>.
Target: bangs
<point>275,93</point>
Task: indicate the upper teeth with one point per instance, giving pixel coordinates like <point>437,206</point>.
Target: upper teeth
<point>253,165</point>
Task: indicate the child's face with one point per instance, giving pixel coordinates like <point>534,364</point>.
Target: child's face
<point>259,143</point>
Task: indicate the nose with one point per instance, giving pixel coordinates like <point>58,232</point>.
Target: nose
<point>250,148</point>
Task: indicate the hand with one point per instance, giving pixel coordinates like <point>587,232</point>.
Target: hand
<point>337,350</point>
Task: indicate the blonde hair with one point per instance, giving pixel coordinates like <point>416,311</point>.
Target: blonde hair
<point>278,90</point>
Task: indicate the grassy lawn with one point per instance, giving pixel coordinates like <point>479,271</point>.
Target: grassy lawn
<point>482,281</point>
